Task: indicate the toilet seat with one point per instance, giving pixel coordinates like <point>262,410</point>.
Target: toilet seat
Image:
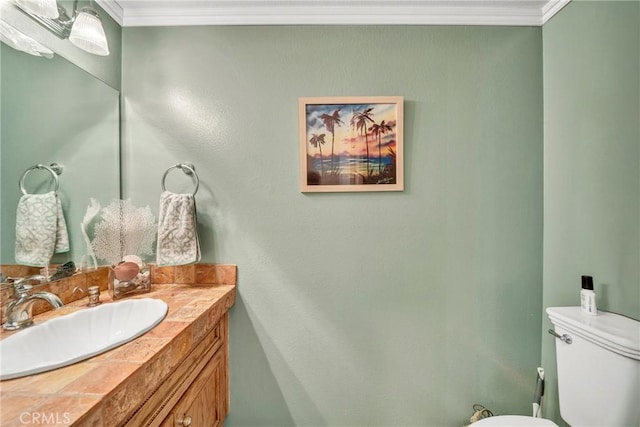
<point>513,421</point>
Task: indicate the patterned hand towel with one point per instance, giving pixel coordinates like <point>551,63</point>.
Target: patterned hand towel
<point>177,230</point>
<point>40,229</point>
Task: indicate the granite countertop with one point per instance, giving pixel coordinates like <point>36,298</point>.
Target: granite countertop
<point>105,389</point>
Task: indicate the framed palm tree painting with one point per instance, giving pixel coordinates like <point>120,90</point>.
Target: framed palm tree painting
<point>351,144</point>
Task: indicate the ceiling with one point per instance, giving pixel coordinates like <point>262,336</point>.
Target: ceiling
<point>133,13</point>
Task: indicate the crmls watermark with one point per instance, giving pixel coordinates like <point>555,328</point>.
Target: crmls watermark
<point>45,418</point>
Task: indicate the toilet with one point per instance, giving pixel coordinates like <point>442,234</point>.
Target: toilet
<point>598,360</point>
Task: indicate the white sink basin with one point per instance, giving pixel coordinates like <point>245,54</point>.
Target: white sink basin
<point>71,338</point>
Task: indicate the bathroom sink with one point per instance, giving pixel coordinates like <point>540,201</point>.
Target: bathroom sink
<point>71,338</point>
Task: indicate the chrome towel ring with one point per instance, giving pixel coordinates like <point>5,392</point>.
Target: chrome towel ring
<point>187,168</point>
<point>54,169</point>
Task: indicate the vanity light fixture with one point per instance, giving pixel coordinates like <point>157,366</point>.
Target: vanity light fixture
<point>87,33</point>
<point>84,29</point>
<point>22,42</point>
<point>46,8</point>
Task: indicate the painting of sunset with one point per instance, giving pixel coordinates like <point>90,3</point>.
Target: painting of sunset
<point>351,144</point>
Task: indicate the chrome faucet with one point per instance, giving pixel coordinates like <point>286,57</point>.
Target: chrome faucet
<point>18,310</point>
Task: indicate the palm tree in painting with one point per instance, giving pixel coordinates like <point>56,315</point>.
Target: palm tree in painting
<point>377,130</point>
<point>391,168</point>
<point>359,122</point>
<point>318,141</point>
<point>330,122</point>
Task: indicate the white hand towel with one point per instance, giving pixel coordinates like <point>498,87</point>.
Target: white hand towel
<point>41,229</point>
<point>178,241</point>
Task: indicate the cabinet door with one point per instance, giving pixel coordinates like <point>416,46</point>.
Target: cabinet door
<point>204,404</point>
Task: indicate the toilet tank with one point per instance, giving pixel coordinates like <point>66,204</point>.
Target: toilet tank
<point>599,372</point>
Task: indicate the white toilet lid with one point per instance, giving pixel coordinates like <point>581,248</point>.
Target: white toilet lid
<point>513,421</point>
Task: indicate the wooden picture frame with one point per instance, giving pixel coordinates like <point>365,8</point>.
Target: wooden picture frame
<point>351,144</point>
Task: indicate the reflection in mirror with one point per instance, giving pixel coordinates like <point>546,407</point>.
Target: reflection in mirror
<point>54,112</point>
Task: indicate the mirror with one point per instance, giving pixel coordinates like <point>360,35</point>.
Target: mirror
<point>54,112</point>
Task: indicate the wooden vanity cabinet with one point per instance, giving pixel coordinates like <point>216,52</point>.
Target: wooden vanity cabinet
<point>196,393</point>
<point>204,404</point>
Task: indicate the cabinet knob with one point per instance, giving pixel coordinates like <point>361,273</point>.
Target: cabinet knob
<point>185,421</point>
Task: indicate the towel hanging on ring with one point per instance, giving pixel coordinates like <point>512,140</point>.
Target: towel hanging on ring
<point>178,241</point>
<point>41,229</point>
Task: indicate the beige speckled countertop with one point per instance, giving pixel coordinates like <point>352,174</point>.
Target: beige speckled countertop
<point>105,389</point>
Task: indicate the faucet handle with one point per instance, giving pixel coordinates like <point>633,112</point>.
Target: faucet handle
<point>22,286</point>
<point>93,294</point>
<point>21,289</point>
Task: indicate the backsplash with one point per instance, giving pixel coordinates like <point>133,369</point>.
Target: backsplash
<point>192,274</point>
<point>195,274</point>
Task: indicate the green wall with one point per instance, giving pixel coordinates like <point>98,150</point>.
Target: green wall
<point>357,309</point>
<point>591,162</point>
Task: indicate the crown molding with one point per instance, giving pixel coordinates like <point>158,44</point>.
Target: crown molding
<point>130,13</point>
<point>551,8</point>
<point>113,9</point>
